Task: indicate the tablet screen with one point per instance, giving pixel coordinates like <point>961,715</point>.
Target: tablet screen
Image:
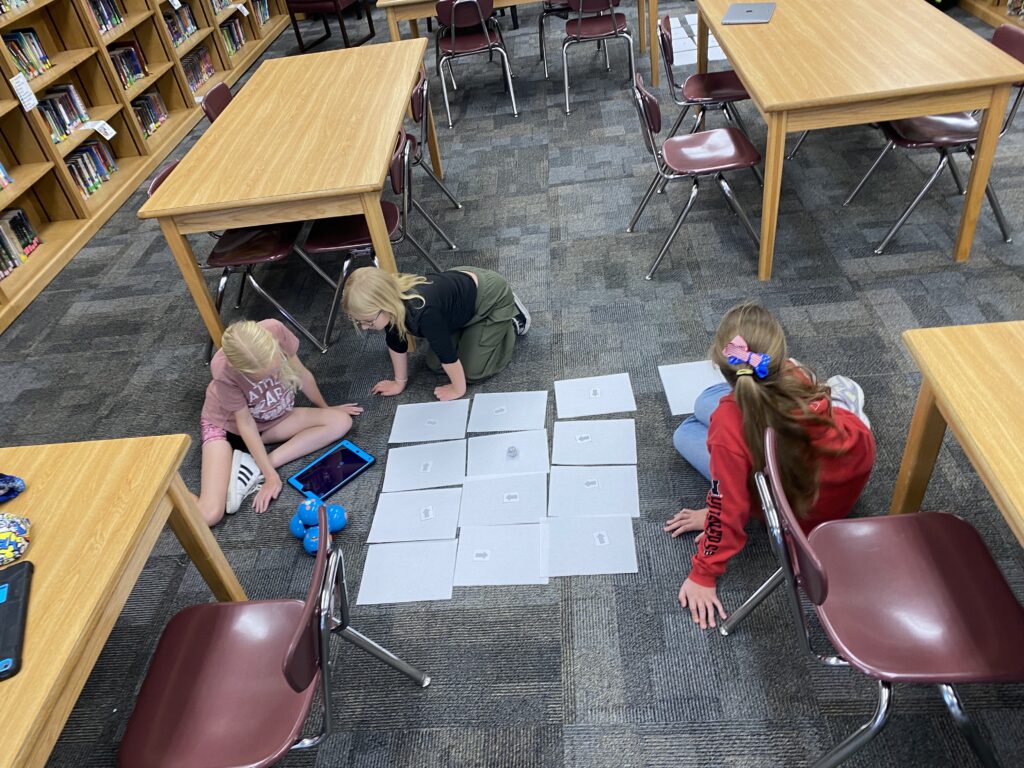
<point>333,471</point>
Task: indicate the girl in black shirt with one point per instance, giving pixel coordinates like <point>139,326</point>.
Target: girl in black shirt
<point>469,316</point>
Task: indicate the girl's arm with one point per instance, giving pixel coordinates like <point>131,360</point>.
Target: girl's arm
<point>457,377</point>
<point>400,363</point>
<point>307,383</point>
<point>271,480</point>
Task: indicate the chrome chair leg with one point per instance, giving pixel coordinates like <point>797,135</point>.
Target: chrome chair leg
<point>422,250</point>
<point>543,48</point>
<point>632,61</point>
<point>955,173</point>
<point>441,184</point>
<point>730,198</point>
<point>222,285</point>
<point>943,162</point>
<point>241,287</point>
<point>643,203</point>
<point>565,72</point>
<point>871,170</point>
<point>796,147</point>
<point>997,209</point>
<point>726,627</point>
<point>508,78</point>
<point>679,120</point>
<point>451,74</point>
<point>675,229</point>
<point>444,92</point>
<point>733,112</point>
<point>981,748</point>
<point>434,225</point>
<point>336,301</point>
<point>284,312</point>
<point>607,59</point>
<point>864,734</point>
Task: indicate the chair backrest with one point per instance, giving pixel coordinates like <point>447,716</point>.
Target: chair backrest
<point>303,659</point>
<point>161,177</point>
<point>216,101</point>
<point>418,104</point>
<point>1009,38</point>
<point>668,55</point>
<point>649,112</point>
<point>397,170</point>
<point>461,14</point>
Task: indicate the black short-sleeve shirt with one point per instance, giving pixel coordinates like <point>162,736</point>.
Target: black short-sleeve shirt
<point>449,303</point>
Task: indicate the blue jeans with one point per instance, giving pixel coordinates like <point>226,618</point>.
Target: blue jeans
<point>691,437</point>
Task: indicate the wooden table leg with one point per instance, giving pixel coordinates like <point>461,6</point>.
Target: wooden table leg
<point>774,156</point>
<point>988,137</point>
<point>414,28</point>
<point>702,43</point>
<point>194,279</point>
<point>652,38</point>
<point>396,33</point>
<point>641,26</point>
<point>197,541</point>
<point>435,150</point>
<point>927,428</point>
<point>378,232</point>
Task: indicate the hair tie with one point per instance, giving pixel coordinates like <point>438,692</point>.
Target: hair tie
<point>737,353</point>
<point>745,372</point>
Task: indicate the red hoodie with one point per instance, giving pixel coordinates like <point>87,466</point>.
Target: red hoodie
<point>730,503</point>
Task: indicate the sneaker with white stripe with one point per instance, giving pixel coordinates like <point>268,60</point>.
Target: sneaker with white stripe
<point>245,480</point>
<point>521,322</point>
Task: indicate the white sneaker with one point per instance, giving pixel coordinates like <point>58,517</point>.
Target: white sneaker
<point>848,394</point>
<point>521,322</point>
<point>245,480</point>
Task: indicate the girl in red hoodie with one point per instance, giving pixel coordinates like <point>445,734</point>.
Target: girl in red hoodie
<point>826,449</point>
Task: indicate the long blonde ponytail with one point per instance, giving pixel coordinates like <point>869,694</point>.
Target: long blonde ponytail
<point>251,349</point>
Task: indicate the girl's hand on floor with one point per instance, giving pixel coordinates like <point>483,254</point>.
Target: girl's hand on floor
<point>686,520</point>
<point>447,392</point>
<point>702,602</point>
<point>352,409</point>
<point>270,490</point>
<point>388,388</point>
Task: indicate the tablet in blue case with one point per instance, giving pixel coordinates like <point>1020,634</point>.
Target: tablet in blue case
<point>331,471</point>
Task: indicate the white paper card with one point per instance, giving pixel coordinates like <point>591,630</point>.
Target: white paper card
<point>430,465</point>
<point>683,43</point>
<point>580,546</point>
<point>594,491</point>
<point>242,9</point>
<point>500,554</point>
<point>691,19</point>
<point>716,54</point>
<point>430,422</point>
<point>508,453</point>
<point>685,58</point>
<point>24,92</point>
<point>513,499</point>
<point>684,382</point>
<point>102,127</point>
<point>605,441</point>
<point>416,516</point>
<point>508,411</point>
<point>408,571</point>
<point>594,395</point>
<point>175,4</point>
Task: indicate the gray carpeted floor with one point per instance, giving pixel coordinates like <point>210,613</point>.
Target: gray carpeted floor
<point>584,672</point>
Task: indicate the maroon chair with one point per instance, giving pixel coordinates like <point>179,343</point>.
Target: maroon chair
<point>550,8</point>
<point>325,9</point>
<point>232,684</point>
<point>468,28</point>
<point>595,21</point>
<point>216,101</point>
<point>691,156</point>
<point>903,599</point>
<point>420,103</point>
<point>948,135</point>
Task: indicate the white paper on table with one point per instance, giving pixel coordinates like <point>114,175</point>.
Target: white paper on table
<point>416,516</point>
<point>430,465</point>
<point>430,422</point>
<point>716,54</point>
<point>514,499</point>
<point>683,383</point>
<point>594,441</point>
<point>407,572</point>
<point>581,546</point>
<point>683,43</point>
<point>500,554</point>
<point>508,411</point>
<point>594,395</point>
<point>594,492</point>
<point>508,453</point>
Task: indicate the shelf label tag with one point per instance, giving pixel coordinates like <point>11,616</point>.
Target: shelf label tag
<point>24,92</point>
<point>242,9</point>
<point>102,127</point>
<point>175,4</point>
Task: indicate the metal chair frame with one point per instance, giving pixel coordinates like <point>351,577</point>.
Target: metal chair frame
<point>361,6</point>
<point>424,128</point>
<point>571,39</point>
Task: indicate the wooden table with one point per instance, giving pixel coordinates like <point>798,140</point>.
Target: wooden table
<point>970,381</point>
<point>308,137</point>
<point>96,510</point>
<point>829,64</point>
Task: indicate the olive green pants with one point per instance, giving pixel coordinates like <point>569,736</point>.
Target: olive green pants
<point>486,342</point>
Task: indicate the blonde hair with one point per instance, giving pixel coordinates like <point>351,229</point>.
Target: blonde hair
<point>369,291</point>
<point>252,349</point>
<point>780,400</point>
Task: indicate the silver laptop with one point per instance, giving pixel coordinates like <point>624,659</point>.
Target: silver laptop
<point>749,13</point>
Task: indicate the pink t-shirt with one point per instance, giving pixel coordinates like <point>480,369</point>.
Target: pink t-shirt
<point>268,399</point>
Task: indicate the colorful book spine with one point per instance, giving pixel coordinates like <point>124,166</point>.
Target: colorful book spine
<point>262,9</point>
<point>198,67</point>
<point>63,110</point>
<point>6,6</point>
<point>90,166</point>
<point>105,14</point>
<point>234,34</point>
<point>219,5</point>
<point>5,178</point>
<point>150,111</point>
<point>18,239</point>
<point>129,63</point>
<point>29,56</point>
<point>181,24</point>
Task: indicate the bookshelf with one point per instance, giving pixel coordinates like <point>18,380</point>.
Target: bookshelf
<point>992,12</point>
<point>91,46</point>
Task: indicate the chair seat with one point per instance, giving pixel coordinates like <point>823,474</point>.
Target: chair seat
<point>470,41</point>
<point>918,599</point>
<point>714,88</point>
<point>215,693</point>
<point>593,27</point>
<point>253,245</point>
<point>714,151</point>
<point>317,6</point>
<point>347,232</point>
<point>933,130</point>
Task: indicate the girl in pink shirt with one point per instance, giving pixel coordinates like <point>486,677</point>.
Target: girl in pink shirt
<point>250,402</point>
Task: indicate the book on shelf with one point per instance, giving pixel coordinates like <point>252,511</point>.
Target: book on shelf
<point>6,6</point>
<point>105,14</point>
<point>181,24</point>
<point>198,67</point>
<point>262,9</point>
<point>129,63</point>
<point>18,238</point>
<point>219,5</point>
<point>233,33</point>
<point>150,111</point>
<point>90,166</point>
<point>63,110</point>
<point>5,178</point>
<point>27,51</point>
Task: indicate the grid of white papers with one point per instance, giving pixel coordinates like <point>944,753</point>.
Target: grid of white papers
<point>504,500</point>
<point>508,453</point>
<point>407,572</point>
<point>508,411</point>
<point>416,515</point>
<point>430,422</point>
<point>594,491</point>
<point>684,382</point>
<point>607,441</point>
<point>430,465</point>
<point>581,546</point>
<point>501,554</point>
<point>594,396</point>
